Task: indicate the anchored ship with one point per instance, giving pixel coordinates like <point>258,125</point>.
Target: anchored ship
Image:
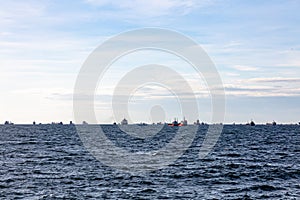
<point>175,122</point>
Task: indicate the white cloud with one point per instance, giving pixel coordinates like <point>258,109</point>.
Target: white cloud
<point>263,87</point>
<point>275,80</point>
<point>245,68</point>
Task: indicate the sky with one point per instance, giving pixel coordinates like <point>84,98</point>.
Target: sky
<point>255,46</point>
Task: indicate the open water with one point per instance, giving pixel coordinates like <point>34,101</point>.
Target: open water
<point>50,162</point>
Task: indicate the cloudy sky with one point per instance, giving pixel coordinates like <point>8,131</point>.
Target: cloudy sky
<point>255,46</point>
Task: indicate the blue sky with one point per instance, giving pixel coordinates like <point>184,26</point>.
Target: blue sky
<point>255,46</point>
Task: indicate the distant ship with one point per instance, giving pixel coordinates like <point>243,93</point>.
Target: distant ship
<point>142,124</point>
<point>124,122</point>
<point>197,122</point>
<point>175,123</point>
<point>272,124</point>
<point>184,122</point>
<point>8,123</point>
<point>251,123</point>
<point>57,123</point>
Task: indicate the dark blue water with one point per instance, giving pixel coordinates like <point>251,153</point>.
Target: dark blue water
<point>50,162</point>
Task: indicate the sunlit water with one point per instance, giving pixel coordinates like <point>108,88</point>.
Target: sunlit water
<point>50,162</point>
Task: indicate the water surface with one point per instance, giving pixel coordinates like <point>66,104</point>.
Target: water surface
<point>50,162</point>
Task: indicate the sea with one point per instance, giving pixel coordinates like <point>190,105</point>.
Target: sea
<point>50,161</point>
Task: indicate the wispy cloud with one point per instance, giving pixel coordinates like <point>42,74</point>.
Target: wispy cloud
<point>275,80</point>
<point>14,12</point>
<point>152,8</point>
<point>264,87</point>
<point>245,68</point>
